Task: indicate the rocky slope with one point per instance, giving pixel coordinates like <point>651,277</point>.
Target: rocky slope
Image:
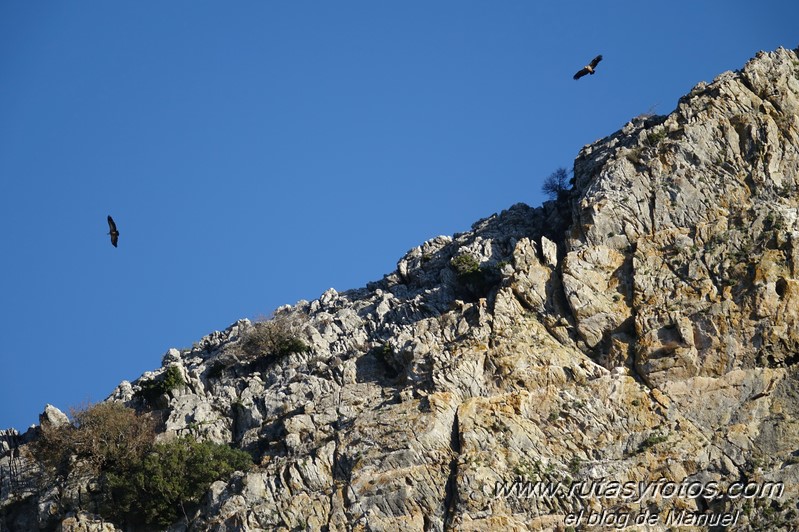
<point>642,329</point>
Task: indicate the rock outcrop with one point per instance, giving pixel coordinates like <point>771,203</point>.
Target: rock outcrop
<point>642,329</point>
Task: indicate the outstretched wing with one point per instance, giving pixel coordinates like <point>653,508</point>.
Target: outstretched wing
<point>595,61</point>
<point>112,230</point>
<point>580,73</point>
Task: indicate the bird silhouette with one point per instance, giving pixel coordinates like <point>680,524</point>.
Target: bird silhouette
<point>112,230</point>
<point>589,68</point>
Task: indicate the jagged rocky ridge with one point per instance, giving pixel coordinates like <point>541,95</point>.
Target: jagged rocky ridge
<point>645,325</point>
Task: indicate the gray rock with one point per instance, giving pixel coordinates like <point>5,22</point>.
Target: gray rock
<point>53,417</point>
<point>643,326</point>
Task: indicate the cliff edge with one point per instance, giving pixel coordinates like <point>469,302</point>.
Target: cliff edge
<point>615,353</point>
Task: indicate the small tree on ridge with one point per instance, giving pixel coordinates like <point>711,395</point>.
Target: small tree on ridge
<point>556,184</point>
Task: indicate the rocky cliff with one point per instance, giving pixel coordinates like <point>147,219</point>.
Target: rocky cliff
<point>626,354</point>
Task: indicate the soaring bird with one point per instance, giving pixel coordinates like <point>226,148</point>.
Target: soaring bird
<point>112,230</point>
<point>589,68</point>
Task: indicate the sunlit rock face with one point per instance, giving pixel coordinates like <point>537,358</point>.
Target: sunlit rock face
<point>643,330</point>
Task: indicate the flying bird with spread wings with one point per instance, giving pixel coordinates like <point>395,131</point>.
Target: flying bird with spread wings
<point>589,68</point>
<point>112,230</point>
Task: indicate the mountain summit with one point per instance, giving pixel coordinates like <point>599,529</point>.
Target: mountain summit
<point>626,354</point>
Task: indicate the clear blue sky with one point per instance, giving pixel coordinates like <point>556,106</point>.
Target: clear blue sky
<point>258,153</point>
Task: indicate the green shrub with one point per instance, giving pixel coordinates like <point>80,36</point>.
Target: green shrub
<point>152,389</point>
<point>171,475</point>
<point>476,279</point>
<point>465,265</point>
<point>574,465</point>
<point>653,138</point>
<point>652,440</point>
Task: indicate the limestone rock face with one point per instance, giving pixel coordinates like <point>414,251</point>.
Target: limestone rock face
<point>85,523</point>
<point>643,329</point>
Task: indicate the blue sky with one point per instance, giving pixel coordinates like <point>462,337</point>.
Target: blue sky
<point>257,153</point>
